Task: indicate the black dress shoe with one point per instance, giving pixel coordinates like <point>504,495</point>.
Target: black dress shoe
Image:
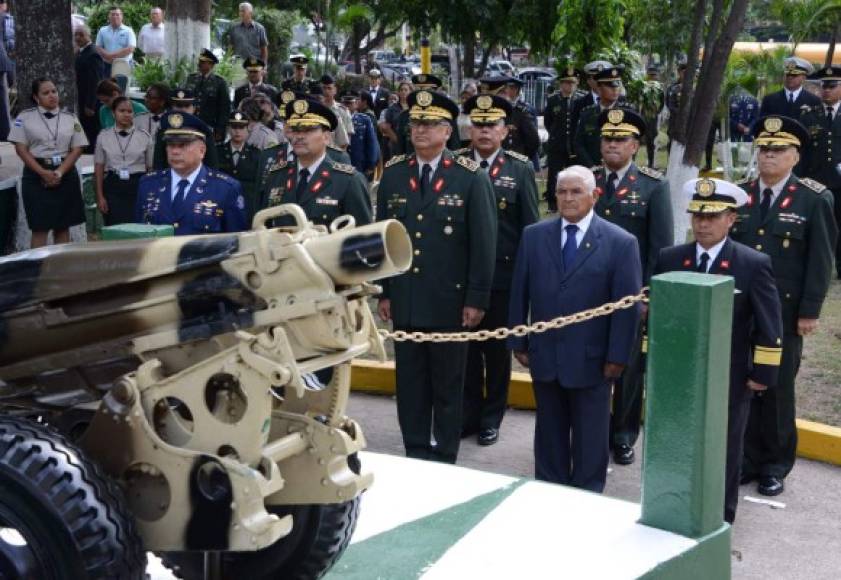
<point>488,436</point>
<point>746,478</point>
<point>623,454</point>
<point>770,485</point>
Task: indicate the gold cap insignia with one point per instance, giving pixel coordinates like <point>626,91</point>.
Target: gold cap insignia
<point>176,120</point>
<point>424,99</point>
<point>287,97</point>
<point>615,116</point>
<point>599,68</point>
<point>484,102</point>
<point>773,124</point>
<point>421,79</point>
<point>180,94</point>
<point>238,116</point>
<point>300,107</point>
<point>705,187</point>
<point>570,71</point>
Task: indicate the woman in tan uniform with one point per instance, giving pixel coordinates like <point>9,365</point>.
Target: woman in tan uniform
<point>123,155</point>
<point>49,141</point>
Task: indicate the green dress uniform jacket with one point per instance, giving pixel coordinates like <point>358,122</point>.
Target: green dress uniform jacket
<point>246,171</point>
<point>335,189</point>
<point>823,154</point>
<point>588,136</point>
<point>522,131</point>
<point>557,118</point>
<point>454,233</point>
<point>799,234</point>
<point>641,206</point>
<point>213,100</point>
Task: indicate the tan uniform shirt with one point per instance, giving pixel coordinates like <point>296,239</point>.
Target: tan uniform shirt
<point>341,136</point>
<point>133,152</point>
<point>147,122</point>
<point>46,137</point>
<point>262,137</point>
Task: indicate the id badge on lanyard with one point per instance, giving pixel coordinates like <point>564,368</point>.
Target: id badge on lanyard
<point>56,160</point>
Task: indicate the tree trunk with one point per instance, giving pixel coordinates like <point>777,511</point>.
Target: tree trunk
<point>688,86</point>
<point>830,51</point>
<point>469,55</point>
<point>187,28</point>
<point>45,49</point>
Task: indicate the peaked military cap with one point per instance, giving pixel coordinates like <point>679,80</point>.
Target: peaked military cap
<point>597,66</point>
<point>183,96</point>
<point>621,123</point>
<point>491,85</point>
<point>375,72</point>
<point>310,113</point>
<point>568,73</point>
<point>349,95</point>
<point>426,81</point>
<point>427,105</point>
<point>828,75</point>
<point>180,127</point>
<point>779,131</point>
<point>611,76</point>
<point>299,60</point>
<point>237,119</point>
<point>207,56</point>
<point>709,195</point>
<point>327,79</point>
<point>253,63</point>
<point>794,65</point>
<point>487,109</point>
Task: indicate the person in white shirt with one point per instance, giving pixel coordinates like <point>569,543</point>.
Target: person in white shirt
<point>151,38</point>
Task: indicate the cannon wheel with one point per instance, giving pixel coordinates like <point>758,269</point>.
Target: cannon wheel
<point>61,517</point>
<point>320,533</point>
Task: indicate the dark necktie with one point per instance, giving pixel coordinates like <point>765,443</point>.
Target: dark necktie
<point>828,116</point>
<point>610,187</point>
<point>484,164</point>
<point>123,133</point>
<point>236,158</point>
<point>765,204</point>
<point>49,115</point>
<point>426,173</point>
<point>301,187</point>
<point>180,194</point>
<point>702,265</point>
<point>791,98</point>
<point>156,118</point>
<point>570,246</point>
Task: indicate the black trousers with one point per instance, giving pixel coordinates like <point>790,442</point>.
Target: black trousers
<point>836,194</point>
<point>570,435</point>
<point>737,421</point>
<point>626,414</point>
<point>430,380</point>
<point>488,372</point>
<point>771,437</point>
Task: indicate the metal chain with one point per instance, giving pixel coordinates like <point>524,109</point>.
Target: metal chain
<point>520,329</point>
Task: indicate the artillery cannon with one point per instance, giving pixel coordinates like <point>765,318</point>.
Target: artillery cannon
<point>161,395</point>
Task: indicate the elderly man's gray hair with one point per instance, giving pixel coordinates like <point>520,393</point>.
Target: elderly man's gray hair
<point>83,28</point>
<point>246,6</point>
<point>578,172</point>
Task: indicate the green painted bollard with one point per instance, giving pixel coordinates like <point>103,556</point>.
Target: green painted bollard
<point>686,406</point>
<point>136,231</point>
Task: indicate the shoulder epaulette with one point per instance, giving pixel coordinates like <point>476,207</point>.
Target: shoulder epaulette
<point>219,175</point>
<point>515,155</point>
<point>744,182</point>
<point>596,168</point>
<point>156,173</point>
<point>468,163</point>
<point>395,160</point>
<point>343,167</point>
<point>652,173</point>
<point>462,151</point>
<point>278,165</point>
<point>815,186</point>
<point>333,147</point>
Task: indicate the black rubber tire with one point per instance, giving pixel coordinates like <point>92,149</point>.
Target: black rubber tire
<point>307,553</point>
<point>73,517</point>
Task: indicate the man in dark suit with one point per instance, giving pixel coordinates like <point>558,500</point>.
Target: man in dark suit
<point>757,321</point>
<point>637,200</point>
<point>565,265</point>
<point>90,69</point>
<point>793,98</point>
<point>379,94</point>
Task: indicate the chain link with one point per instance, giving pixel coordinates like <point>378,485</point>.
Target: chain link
<point>519,330</point>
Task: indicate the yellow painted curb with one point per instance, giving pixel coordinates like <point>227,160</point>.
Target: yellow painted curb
<point>814,440</point>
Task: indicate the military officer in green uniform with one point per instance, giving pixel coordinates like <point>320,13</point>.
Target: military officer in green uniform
<point>211,90</point>
<point>522,125</point>
<point>791,220</point>
<point>300,81</point>
<point>512,176</point>
<point>447,204</point>
<point>184,101</point>
<point>254,70</point>
<point>587,140</point>
<point>557,118</point>
<point>823,160</point>
<point>637,200</point>
<point>323,188</point>
<point>404,142</point>
<point>241,161</point>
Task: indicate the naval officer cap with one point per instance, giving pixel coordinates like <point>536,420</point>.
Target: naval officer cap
<point>487,109</point>
<point>611,77</point>
<point>183,96</point>
<point>829,76</point>
<point>596,66</point>
<point>794,65</point>
<point>780,132</point>
<point>621,123</point>
<point>182,128</point>
<point>709,195</point>
<point>427,105</point>
<point>309,114</point>
<point>237,119</point>
<point>299,60</point>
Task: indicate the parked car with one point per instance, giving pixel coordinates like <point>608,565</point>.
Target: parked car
<point>537,73</point>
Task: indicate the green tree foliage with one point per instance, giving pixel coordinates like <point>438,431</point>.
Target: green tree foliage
<point>588,27</point>
<point>135,14</point>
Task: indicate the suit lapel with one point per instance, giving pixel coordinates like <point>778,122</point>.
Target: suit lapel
<point>588,246</point>
<point>553,242</point>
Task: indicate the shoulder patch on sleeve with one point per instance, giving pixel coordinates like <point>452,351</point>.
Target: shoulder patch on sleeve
<point>343,167</point>
<point>815,186</point>
<point>515,155</point>
<point>395,160</point>
<point>462,151</point>
<point>652,173</point>
<point>468,163</point>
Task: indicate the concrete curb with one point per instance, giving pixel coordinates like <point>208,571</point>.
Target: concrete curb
<point>814,440</point>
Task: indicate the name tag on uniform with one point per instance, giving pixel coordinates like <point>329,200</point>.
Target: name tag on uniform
<point>124,174</point>
<point>56,160</point>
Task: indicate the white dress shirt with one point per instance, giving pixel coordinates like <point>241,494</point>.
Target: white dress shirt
<point>712,253</point>
<point>174,178</point>
<point>490,159</point>
<point>583,225</point>
<point>311,168</point>
<point>433,164</point>
<point>792,95</point>
<point>620,174</point>
<point>776,189</point>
